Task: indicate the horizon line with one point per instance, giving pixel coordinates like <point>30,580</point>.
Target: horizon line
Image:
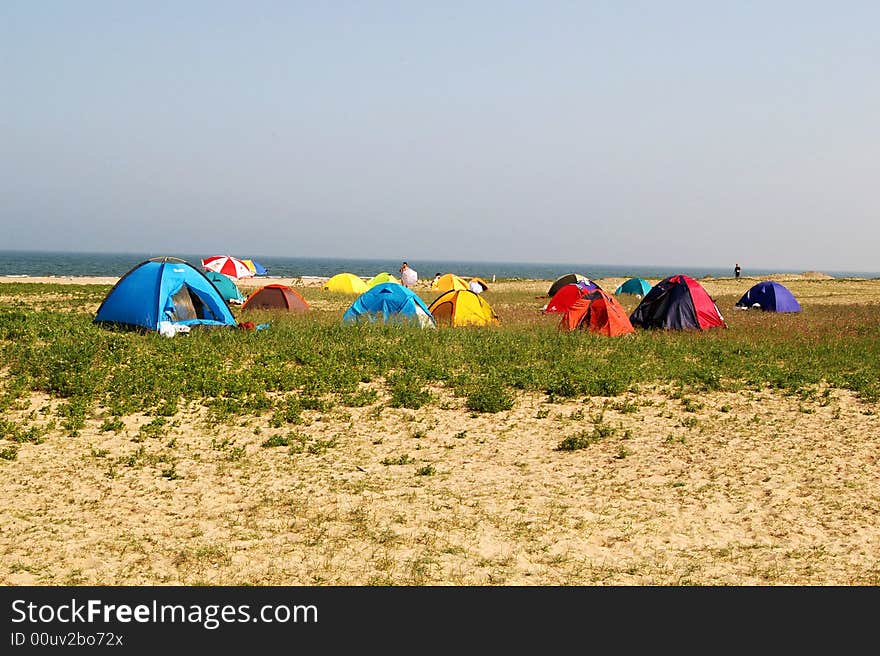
<point>757,267</point>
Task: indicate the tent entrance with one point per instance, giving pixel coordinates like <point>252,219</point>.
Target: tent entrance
<point>443,313</point>
<point>186,306</point>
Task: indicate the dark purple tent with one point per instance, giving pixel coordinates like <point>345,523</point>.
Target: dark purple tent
<point>677,303</point>
<point>769,296</point>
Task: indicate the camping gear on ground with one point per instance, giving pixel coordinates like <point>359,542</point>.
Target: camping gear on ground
<point>568,279</point>
<point>227,288</point>
<point>678,303</point>
<point>462,307</point>
<point>599,312</point>
<point>448,282</point>
<point>380,278</point>
<point>566,295</point>
<point>168,329</point>
<point>389,302</point>
<point>275,297</point>
<point>769,296</point>
<point>227,265</point>
<point>637,286</point>
<point>256,267</point>
<point>345,283</point>
<point>164,289</point>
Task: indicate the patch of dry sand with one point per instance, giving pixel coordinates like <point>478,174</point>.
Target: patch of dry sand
<point>750,488</point>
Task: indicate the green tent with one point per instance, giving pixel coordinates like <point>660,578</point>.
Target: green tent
<point>379,278</point>
<point>225,286</point>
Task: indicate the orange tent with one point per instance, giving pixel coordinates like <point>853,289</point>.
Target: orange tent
<point>599,312</point>
<point>276,297</point>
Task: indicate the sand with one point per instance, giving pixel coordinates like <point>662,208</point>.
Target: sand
<point>749,488</point>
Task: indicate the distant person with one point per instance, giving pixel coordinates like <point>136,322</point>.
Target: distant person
<point>408,276</point>
<point>436,280</point>
<point>736,270</point>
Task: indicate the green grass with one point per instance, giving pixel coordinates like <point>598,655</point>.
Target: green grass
<point>49,344</point>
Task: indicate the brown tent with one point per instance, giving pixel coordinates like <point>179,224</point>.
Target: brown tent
<point>275,297</point>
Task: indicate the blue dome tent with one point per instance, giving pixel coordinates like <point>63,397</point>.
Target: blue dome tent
<point>769,296</point>
<point>389,302</point>
<point>164,289</point>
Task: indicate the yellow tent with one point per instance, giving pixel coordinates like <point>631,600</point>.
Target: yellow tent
<point>346,283</point>
<point>379,278</point>
<point>448,282</point>
<point>461,307</point>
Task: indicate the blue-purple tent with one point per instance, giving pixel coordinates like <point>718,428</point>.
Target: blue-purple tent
<point>769,296</point>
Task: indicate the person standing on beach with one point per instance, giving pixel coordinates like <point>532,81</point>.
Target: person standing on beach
<point>408,276</point>
<point>736,270</point>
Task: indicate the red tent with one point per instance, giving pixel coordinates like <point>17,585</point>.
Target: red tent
<point>563,299</point>
<point>599,312</point>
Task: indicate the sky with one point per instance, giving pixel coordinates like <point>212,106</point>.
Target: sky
<point>619,132</point>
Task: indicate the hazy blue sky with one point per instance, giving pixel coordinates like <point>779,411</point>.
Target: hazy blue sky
<point>658,132</point>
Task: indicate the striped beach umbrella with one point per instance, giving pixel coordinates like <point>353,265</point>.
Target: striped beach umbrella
<point>228,266</point>
<point>256,267</point>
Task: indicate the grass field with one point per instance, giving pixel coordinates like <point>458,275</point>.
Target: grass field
<point>319,454</point>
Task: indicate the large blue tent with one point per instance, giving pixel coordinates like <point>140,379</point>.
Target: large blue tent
<point>164,289</point>
<point>769,296</point>
<point>389,302</point>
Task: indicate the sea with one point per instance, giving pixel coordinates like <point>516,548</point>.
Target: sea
<point>59,264</point>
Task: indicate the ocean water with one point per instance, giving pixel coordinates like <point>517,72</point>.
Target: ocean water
<point>35,263</point>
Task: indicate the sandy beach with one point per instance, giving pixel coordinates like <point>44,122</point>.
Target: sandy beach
<point>748,487</point>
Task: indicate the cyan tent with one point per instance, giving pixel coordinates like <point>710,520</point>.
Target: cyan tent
<point>637,286</point>
<point>389,302</point>
<point>227,288</point>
